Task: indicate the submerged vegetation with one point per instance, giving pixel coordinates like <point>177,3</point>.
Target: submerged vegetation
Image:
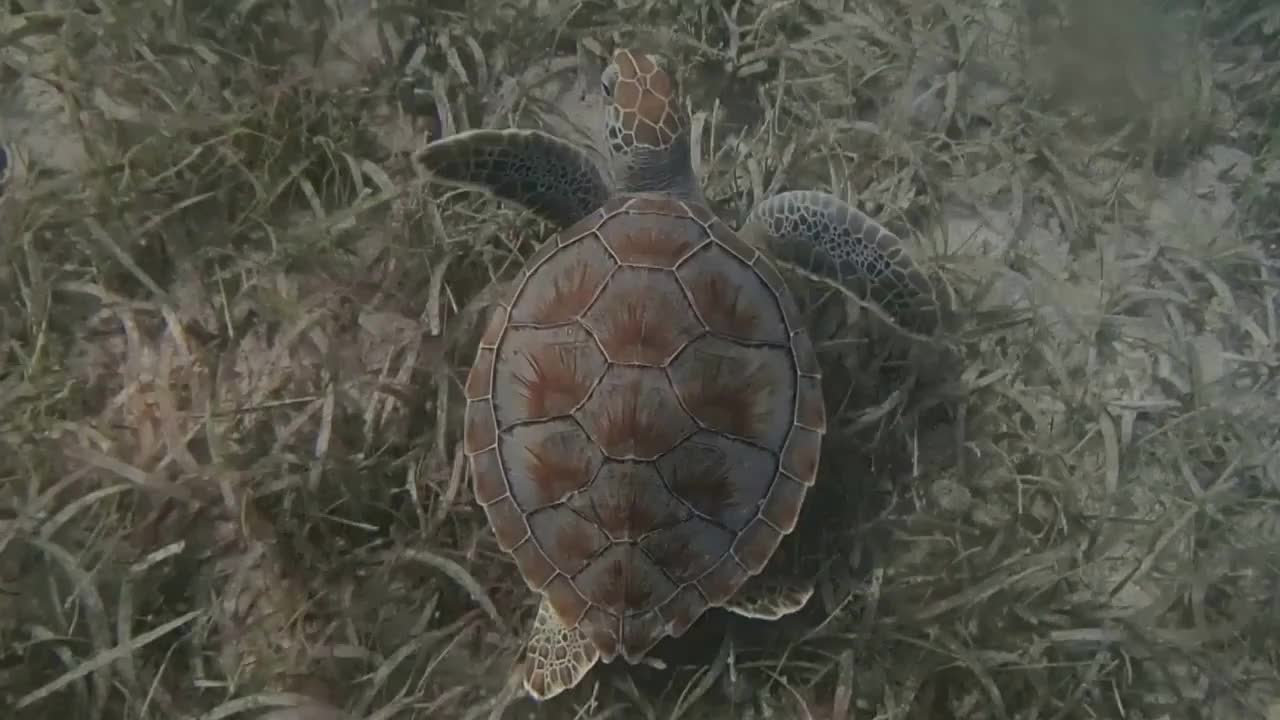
<point>234,324</point>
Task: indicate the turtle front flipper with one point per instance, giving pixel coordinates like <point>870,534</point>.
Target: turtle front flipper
<point>551,177</point>
<point>823,235</point>
<point>768,597</point>
<point>558,656</point>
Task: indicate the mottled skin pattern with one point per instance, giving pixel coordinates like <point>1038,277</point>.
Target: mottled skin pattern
<point>644,414</point>
<point>549,176</point>
<point>826,236</point>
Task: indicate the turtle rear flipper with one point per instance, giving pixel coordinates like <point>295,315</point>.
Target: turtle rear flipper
<point>768,596</point>
<point>558,656</point>
<point>825,236</point>
<point>553,178</point>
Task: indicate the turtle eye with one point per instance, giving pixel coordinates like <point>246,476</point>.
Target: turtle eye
<point>608,79</point>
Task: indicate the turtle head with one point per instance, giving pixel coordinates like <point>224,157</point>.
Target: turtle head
<point>646,127</point>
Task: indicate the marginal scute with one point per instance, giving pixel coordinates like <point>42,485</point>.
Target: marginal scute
<point>640,633</point>
<point>533,564</point>
<point>771,277</point>
<point>480,428</point>
<point>782,506</point>
<point>508,523</point>
<point>756,544</point>
<point>730,241</point>
<point>480,379</point>
<point>603,627</point>
<point>801,454</point>
<point>811,409</point>
<point>802,351</point>
<point>703,215</point>
<point>722,581</point>
<point>488,479</point>
<point>493,331</point>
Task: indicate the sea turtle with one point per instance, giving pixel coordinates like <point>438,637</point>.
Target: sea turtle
<point>645,413</point>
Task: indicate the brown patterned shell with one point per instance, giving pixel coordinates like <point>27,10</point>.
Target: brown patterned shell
<point>643,420</point>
